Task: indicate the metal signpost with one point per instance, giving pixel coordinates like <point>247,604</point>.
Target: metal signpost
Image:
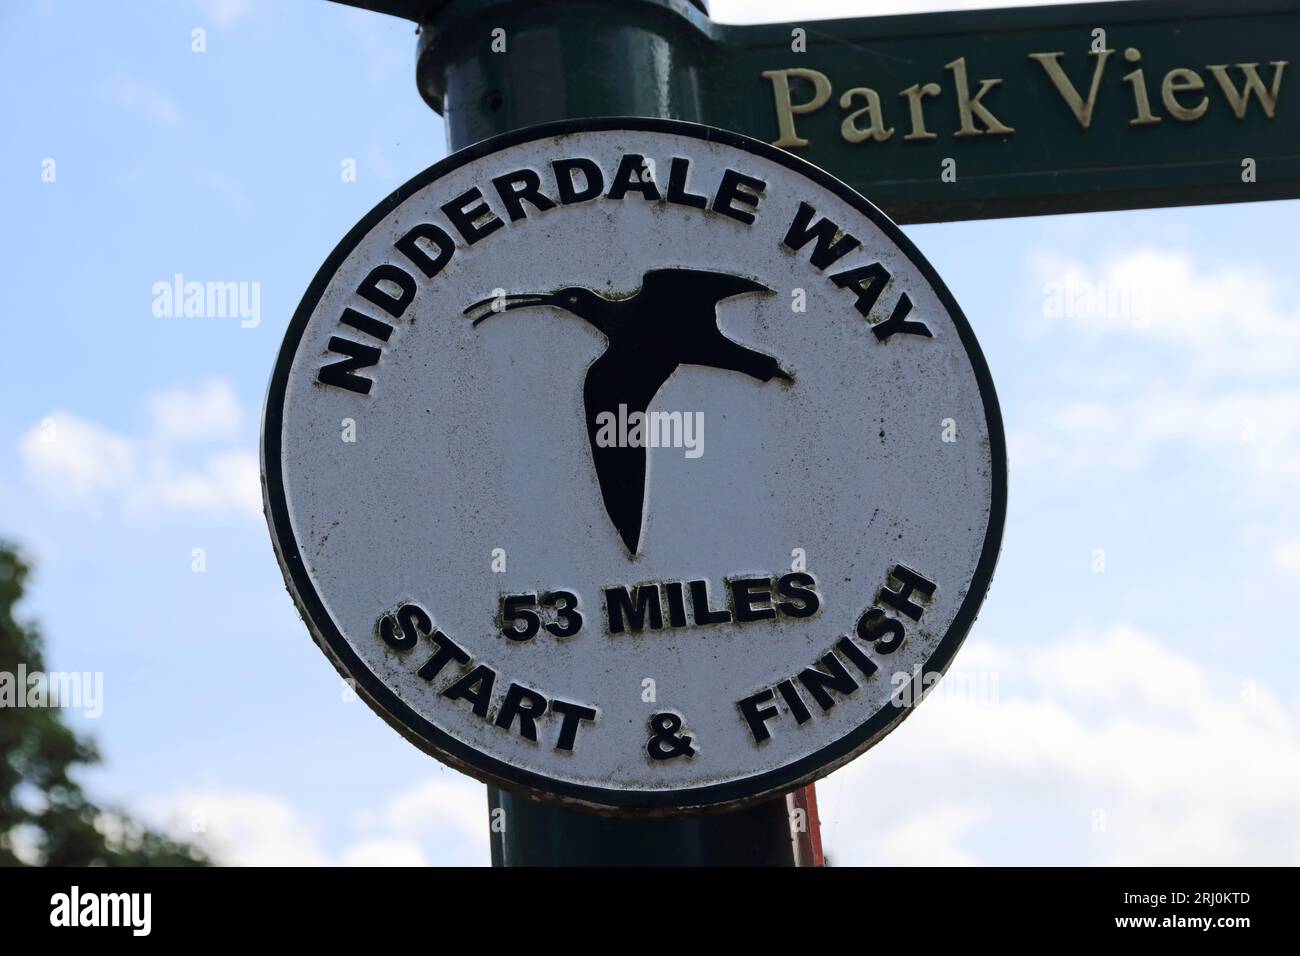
<point>629,628</point>
<point>933,117</point>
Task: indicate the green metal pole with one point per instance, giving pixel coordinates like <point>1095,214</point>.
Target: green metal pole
<point>489,66</point>
<point>537,834</point>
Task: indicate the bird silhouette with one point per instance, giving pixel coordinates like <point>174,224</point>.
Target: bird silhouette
<point>670,321</point>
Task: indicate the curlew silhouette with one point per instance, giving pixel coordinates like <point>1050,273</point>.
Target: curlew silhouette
<point>670,321</point>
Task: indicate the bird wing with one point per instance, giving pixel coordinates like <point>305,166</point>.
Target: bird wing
<point>615,379</point>
<point>695,286</point>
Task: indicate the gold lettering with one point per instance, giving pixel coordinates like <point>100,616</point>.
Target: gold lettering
<point>876,130</point>
<point>1082,109</point>
<point>1183,81</point>
<point>915,93</point>
<point>1145,117</point>
<point>970,106</point>
<point>1239,101</point>
<point>787,110</point>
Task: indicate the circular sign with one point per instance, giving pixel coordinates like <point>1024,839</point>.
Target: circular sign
<point>634,463</point>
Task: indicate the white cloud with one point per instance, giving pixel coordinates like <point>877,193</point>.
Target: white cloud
<point>1207,365</point>
<point>1247,431</point>
<point>210,411</point>
<point>230,481</point>
<point>1286,555</point>
<point>385,853</point>
<point>447,811</point>
<point>70,459</point>
<point>77,456</point>
<point>447,801</point>
<point>1223,321</point>
<point>1111,729</point>
<point>923,840</point>
<point>440,821</point>
<point>242,828</point>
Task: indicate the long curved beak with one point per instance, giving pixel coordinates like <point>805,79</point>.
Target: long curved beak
<point>503,303</point>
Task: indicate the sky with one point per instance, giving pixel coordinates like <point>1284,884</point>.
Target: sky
<point>1128,694</point>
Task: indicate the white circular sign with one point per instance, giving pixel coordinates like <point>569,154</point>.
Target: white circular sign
<point>634,463</point>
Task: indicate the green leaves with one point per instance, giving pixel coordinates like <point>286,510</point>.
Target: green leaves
<point>45,818</point>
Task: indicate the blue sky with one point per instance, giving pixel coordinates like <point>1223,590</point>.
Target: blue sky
<point>1136,655</point>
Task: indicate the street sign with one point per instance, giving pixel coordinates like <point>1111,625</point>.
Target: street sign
<point>1021,112</point>
<point>937,116</point>
<point>635,464</point>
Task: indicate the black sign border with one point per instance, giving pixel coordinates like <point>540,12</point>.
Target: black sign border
<point>436,742</point>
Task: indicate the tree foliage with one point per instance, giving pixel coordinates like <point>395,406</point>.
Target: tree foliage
<point>45,817</point>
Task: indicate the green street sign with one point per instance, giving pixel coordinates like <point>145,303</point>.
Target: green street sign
<point>1041,110</point>
<point>934,117</point>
